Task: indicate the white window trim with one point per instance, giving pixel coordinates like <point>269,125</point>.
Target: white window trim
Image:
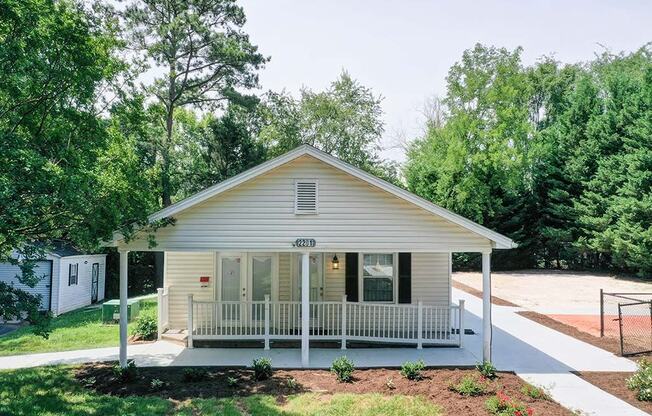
<point>394,277</point>
<point>70,267</point>
<point>296,207</point>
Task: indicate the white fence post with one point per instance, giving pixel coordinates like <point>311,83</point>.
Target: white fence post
<point>419,325</point>
<point>266,322</point>
<point>461,328</point>
<point>190,321</point>
<point>343,343</point>
<point>159,311</point>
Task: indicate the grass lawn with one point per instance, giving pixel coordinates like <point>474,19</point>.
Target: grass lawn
<point>54,391</point>
<point>74,330</point>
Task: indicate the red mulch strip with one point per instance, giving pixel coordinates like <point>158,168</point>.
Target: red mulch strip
<point>434,386</point>
<point>615,383</point>
<point>475,292</point>
<point>606,343</point>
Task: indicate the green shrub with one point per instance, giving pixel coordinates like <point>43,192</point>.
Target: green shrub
<point>262,368</point>
<point>534,392</point>
<point>157,384</point>
<point>641,381</point>
<point>232,381</point>
<point>292,383</point>
<point>412,370</point>
<point>486,369</point>
<point>193,374</point>
<point>469,386</point>
<point>146,327</point>
<point>128,373</point>
<point>343,369</point>
<point>502,405</point>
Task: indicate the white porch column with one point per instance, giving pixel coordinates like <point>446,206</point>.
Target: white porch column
<point>123,308</point>
<point>486,306</point>
<point>305,308</point>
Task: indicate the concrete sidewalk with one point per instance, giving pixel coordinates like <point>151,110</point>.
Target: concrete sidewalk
<point>545,358</point>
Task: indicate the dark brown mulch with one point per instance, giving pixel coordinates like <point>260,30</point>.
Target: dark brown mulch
<point>434,386</point>
<point>606,343</point>
<point>475,292</point>
<point>615,383</point>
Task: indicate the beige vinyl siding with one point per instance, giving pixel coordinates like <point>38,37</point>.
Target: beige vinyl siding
<point>258,215</point>
<point>334,280</point>
<point>284,276</point>
<point>430,280</point>
<point>182,273</point>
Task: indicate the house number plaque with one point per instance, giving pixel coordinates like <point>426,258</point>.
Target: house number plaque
<point>305,242</point>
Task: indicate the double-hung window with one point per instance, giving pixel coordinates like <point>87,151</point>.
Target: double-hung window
<point>73,270</point>
<point>378,275</point>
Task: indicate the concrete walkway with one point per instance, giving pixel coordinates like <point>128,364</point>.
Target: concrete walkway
<point>540,355</point>
<point>545,358</point>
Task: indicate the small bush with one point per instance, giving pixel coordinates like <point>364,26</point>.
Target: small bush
<point>412,370</point>
<point>262,368</point>
<point>502,405</point>
<point>292,383</point>
<point>128,373</point>
<point>146,327</point>
<point>641,381</point>
<point>157,384</point>
<point>194,374</point>
<point>343,369</point>
<point>486,369</point>
<point>390,383</point>
<point>469,386</point>
<point>534,392</point>
<point>232,381</point>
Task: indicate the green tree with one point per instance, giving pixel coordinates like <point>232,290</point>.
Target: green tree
<point>345,120</point>
<point>205,58</point>
<point>62,173</point>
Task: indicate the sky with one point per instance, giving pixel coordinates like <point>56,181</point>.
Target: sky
<point>403,49</point>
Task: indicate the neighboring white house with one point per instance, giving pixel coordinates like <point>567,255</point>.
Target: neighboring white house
<point>307,247</point>
<point>69,279</point>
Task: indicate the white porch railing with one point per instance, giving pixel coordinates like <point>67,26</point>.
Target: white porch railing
<point>340,321</point>
<point>163,310</point>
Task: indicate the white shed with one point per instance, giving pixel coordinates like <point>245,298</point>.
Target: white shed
<point>69,278</point>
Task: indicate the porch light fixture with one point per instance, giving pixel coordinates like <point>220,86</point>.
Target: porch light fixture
<point>336,263</point>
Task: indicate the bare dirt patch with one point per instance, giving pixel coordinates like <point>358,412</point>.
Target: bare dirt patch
<point>434,386</point>
<point>475,292</point>
<point>615,383</point>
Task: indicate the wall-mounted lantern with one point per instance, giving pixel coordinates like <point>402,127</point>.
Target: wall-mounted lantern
<point>336,263</point>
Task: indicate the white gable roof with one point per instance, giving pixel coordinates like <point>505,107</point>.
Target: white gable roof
<point>499,241</point>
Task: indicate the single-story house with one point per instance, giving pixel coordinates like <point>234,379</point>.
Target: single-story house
<point>307,247</point>
<point>69,278</point>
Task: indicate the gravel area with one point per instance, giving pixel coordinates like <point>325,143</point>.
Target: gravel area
<point>554,292</point>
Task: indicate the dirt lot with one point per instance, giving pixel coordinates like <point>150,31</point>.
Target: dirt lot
<point>434,386</point>
<point>554,292</point>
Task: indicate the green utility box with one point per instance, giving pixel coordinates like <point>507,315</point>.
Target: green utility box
<point>111,310</point>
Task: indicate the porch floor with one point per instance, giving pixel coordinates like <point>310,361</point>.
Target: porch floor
<point>291,357</point>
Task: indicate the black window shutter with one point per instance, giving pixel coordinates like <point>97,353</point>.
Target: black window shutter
<point>351,274</point>
<point>69,274</point>
<point>404,277</point>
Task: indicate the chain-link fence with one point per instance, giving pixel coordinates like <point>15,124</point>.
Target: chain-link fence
<point>628,317</point>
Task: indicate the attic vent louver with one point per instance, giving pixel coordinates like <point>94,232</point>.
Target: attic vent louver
<point>305,196</point>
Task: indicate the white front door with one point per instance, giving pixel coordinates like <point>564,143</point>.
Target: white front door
<point>316,262</point>
<point>232,286</point>
<point>262,281</point>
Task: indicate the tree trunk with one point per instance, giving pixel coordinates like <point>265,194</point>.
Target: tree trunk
<point>166,191</point>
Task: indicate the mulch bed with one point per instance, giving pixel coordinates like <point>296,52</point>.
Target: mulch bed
<point>478,293</point>
<point>434,386</point>
<point>615,383</point>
